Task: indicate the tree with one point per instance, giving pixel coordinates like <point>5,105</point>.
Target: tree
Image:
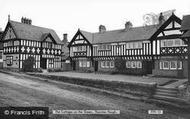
<point>28,64</point>
<point>119,64</point>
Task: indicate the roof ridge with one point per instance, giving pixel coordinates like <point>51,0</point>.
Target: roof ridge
<point>126,30</point>
<point>26,31</point>
<point>31,25</point>
<point>86,31</point>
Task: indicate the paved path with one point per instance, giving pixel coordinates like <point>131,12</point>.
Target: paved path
<point>108,77</point>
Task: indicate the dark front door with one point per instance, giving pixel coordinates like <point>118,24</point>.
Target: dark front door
<point>74,65</point>
<point>43,63</point>
<point>96,66</point>
<point>149,67</point>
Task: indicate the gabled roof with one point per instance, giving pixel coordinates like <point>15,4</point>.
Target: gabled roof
<point>122,35</point>
<point>173,17</point>
<point>186,26</point>
<point>87,35</point>
<point>185,23</point>
<point>31,32</point>
<point>131,34</point>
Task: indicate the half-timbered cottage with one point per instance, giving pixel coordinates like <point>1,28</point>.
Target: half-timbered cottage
<point>80,51</point>
<point>154,49</point>
<point>98,51</point>
<point>21,40</point>
<point>169,50</point>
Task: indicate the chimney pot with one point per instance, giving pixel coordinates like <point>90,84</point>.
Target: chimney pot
<point>102,28</point>
<point>161,18</point>
<point>25,20</point>
<point>9,17</point>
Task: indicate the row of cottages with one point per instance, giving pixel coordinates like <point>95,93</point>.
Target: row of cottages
<point>154,49</point>
<point>22,40</point>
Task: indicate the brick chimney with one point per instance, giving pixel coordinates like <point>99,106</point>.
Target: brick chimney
<point>65,39</point>
<point>25,20</point>
<point>102,28</point>
<point>128,25</point>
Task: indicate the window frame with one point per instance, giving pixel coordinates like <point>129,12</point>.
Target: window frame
<point>10,60</point>
<point>161,65</point>
<point>139,64</point>
<point>87,63</point>
<point>166,68</point>
<point>175,64</point>
<point>112,65</point>
<point>180,65</point>
<point>102,64</point>
<point>133,64</point>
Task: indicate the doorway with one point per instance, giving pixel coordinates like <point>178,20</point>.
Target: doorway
<point>74,65</point>
<point>96,66</point>
<point>43,63</point>
<point>149,67</point>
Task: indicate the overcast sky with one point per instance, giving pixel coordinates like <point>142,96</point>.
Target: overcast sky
<point>66,16</point>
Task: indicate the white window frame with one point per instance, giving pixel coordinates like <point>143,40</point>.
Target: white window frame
<point>84,63</point>
<point>80,63</point>
<point>128,64</point>
<point>133,64</point>
<point>161,65</point>
<point>139,44</point>
<point>180,65</point>
<point>170,41</point>
<point>164,43</point>
<point>9,60</point>
<point>102,64</point>
<point>175,64</point>
<point>112,65</point>
<point>167,68</point>
<point>139,64</point>
<point>107,64</point>
<point>179,41</point>
<point>87,63</point>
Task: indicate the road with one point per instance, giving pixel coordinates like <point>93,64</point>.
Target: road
<point>20,91</point>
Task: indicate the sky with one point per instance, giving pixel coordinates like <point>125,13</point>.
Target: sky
<point>67,16</point>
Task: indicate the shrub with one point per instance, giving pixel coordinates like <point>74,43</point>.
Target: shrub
<point>38,70</point>
<point>55,70</point>
<point>28,64</point>
<point>50,70</point>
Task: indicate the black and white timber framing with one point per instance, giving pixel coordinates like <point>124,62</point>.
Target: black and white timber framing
<point>21,40</point>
